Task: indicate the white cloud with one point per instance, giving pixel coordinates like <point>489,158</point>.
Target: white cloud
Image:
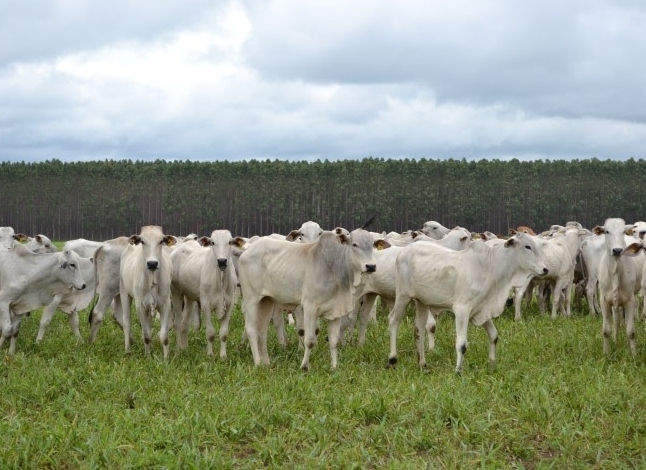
<point>287,79</point>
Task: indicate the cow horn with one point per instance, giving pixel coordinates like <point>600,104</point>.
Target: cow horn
<point>369,222</point>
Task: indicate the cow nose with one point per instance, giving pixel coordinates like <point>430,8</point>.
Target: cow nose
<point>83,287</point>
<point>222,263</point>
<point>545,271</point>
<point>617,251</point>
<point>152,265</point>
<point>371,268</point>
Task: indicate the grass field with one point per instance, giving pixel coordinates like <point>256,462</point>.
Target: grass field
<point>553,401</point>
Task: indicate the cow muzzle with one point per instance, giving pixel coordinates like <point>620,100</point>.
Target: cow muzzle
<point>617,251</point>
<point>152,265</point>
<point>371,268</point>
<point>222,264</point>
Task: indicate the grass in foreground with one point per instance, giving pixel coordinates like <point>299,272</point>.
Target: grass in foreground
<point>553,401</point>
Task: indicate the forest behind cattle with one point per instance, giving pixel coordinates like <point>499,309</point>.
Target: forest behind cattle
<point>104,199</point>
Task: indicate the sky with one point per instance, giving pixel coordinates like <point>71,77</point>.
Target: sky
<point>303,80</point>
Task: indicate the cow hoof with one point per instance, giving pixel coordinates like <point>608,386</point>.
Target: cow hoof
<point>392,361</point>
<point>305,368</point>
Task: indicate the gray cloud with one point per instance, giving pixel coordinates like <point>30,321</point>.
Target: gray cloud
<point>289,80</point>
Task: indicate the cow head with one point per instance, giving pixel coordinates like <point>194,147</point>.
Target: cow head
<point>527,253</point>
<point>362,245</point>
<point>71,275</point>
<point>221,244</point>
<point>8,237</point>
<point>614,231</point>
<point>152,241</point>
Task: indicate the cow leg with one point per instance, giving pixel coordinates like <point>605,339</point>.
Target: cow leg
<point>616,321</point>
<point>46,317</point>
<point>591,295</point>
<point>559,296</point>
<point>492,333</point>
<point>394,319</point>
<point>309,337</point>
<point>224,329</point>
<point>421,318</point>
<point>365,313</point>
<point>73,319</point>
<point>334,334</point>
<point>629,309</point>
<point>299,323</point>
<point>278,319</point>
<point>210,329</point>
<point>257,315</point>
<point>16,323</point>
<point>606,328</point>
<point>519,295</point>
<point>125,317</point>
<point>145,319</point>
<point>178,308</point>
<point>431,323</point>
<point>461,342</point>
<point>164,328</point>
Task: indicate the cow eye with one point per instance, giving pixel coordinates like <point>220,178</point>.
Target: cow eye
<point>527,247</point>
<point>355,245</point>
<point>73,265</point>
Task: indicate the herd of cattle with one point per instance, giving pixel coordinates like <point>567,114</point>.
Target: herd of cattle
<point>314,273</point>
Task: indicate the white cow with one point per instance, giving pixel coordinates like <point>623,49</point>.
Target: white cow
<point>107,259</point>
<point>41,244</point>
<point>473,283</point>
<point>145,276</point>
<point>71,302</point>
<point>435,229</point>
<point>84,248</point>
<point>382,283</point>
<point>29,281</point>
<point>205,274</point>
<point>619,281</point>
<point>9,238</point>
<point>320,276</point>
<point>559,255</point>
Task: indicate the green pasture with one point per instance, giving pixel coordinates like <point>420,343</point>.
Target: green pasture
<point>553,401</point>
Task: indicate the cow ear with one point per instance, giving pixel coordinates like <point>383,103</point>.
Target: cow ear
<point>511,242</point>
<point>598,230</point>
<point>512,231</point>
<point>21,237</point>
<point>237,241</point>
<point>134,240</point>
<point>629,230</point>
<point>343,238</point>
<point>293,236</point>
<point>205,241</point>
<point>169,240</point>
<point>381,244</point>
<point>632,249</point>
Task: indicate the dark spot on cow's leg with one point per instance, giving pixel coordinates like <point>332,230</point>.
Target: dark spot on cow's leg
<point>433,329</point>
<point>210,338</point>
<point>392,361</point>
<point>495,340</point>
<point>310,345</point>
<point>463,348</point>
<point>416,334</point>
<point>301,332</point>
<point>165,343</point>
<point>147,340</point>
<point>316,332</point>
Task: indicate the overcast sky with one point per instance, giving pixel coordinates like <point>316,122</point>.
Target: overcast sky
<point>306,80</point>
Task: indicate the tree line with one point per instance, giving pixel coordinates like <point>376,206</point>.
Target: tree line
<point>104,199</point>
